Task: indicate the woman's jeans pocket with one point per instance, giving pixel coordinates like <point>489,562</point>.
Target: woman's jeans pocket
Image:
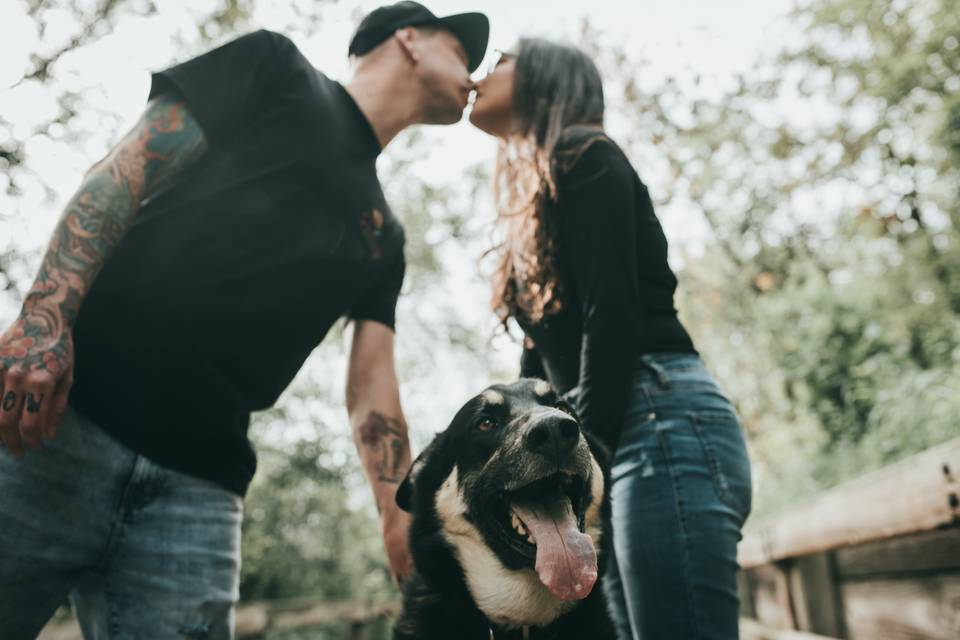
<point>725,453</point>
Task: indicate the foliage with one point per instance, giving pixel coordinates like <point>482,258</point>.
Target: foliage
<point>826,295</point>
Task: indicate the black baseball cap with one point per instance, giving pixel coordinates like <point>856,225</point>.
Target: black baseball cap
<point>471,29</point>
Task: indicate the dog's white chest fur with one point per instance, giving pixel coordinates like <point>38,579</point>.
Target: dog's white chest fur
<point>507,597</point>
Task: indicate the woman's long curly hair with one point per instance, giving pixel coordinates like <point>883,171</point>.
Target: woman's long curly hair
<point>556,87</point>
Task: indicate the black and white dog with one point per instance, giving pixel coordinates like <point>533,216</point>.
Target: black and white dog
<point>510,519</point>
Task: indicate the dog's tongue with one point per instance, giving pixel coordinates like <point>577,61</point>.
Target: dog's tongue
<point>566,558</point>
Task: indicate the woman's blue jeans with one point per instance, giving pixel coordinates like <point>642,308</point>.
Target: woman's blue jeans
<point>681,491</point>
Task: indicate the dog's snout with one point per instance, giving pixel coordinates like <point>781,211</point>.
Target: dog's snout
<point>551,435</point>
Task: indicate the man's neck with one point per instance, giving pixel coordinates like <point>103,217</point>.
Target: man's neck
<point>389,107</point>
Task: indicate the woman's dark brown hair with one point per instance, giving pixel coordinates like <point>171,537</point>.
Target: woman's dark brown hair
<point>556,87</point>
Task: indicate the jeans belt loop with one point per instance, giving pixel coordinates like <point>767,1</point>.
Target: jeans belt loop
<point>649,363</point>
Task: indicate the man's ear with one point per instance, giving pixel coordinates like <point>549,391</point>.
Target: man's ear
<point>405,37</point>
<point>405,491</point>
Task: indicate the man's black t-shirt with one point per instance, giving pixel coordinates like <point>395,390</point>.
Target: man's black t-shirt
<point>226,281</point>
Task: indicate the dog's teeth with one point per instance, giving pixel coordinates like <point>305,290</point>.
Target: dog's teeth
<point>518,525</point>
<point>530,539</point>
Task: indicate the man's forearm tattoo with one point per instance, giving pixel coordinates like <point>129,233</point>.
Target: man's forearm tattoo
<point>384,438</point>
<point>162,144</point>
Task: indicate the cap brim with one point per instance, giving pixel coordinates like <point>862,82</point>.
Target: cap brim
<point>473,32</point>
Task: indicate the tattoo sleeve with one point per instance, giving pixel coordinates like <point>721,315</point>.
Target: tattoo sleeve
<point>163,143</point>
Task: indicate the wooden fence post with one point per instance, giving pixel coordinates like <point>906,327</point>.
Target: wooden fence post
<point>816,596</point>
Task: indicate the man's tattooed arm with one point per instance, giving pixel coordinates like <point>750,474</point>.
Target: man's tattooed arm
<point>380,433</point>
<point>373,403</point>
<point>36,353</point>
<point>164,142</point>
<point>383,440</point>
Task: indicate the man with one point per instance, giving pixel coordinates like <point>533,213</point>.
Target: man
<point>189,278</point>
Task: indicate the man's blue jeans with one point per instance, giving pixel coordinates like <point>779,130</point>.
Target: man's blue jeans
<point>142,551</point>
<point>681,492</point>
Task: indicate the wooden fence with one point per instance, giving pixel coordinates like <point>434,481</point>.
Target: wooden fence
<point>877,558</point>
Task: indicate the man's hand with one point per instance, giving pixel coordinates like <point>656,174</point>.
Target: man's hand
<point>36,373</point>
<point>395,529</point>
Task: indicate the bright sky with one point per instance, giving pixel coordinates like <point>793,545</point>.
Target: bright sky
<point>718,38</point>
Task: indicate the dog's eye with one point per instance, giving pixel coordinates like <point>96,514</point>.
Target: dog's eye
<point>486,423</point>
<point>566,408</point>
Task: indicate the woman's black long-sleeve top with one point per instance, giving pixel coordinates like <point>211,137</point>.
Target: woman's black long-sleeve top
<point>617,286</point>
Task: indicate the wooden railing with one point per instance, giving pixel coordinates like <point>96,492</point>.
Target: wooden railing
<point>875,558</point>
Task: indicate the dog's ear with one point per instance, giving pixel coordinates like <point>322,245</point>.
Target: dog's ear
<point>404,495</point>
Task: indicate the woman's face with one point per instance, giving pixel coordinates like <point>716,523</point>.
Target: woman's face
<point>493,106</point>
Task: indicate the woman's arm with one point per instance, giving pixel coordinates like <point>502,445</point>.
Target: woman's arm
<point>597,229</point>
<point>531,364</point>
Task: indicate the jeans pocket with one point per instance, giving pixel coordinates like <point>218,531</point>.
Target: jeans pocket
<point>725,450</point>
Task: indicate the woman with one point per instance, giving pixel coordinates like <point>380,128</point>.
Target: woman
<point>583,270</point>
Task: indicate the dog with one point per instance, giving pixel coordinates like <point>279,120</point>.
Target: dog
<point>510,524</point>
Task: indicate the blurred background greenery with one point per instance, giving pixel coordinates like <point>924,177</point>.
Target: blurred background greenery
<point>819,267</point>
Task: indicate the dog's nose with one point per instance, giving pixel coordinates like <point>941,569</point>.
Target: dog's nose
<point>552,435</point>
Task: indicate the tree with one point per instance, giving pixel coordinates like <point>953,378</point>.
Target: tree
<point>825,292</point>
